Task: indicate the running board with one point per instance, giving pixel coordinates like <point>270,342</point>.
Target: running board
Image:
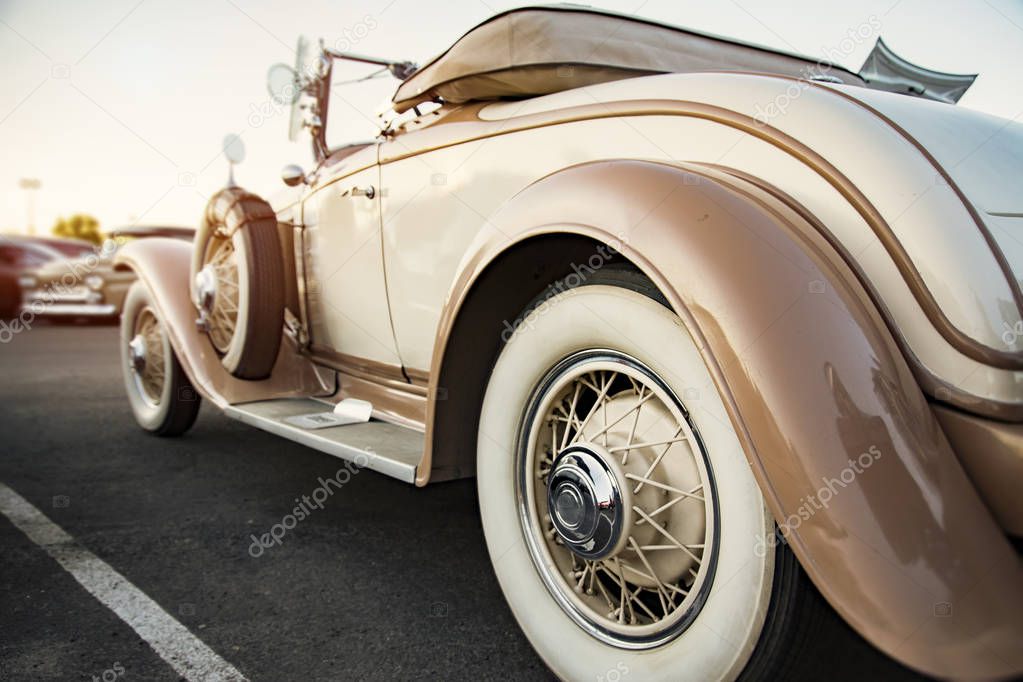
<point>383,447</point>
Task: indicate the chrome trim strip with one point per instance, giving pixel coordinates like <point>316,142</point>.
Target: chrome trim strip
<point>69,309</point>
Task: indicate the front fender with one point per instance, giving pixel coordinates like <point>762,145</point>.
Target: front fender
<point>815,384</point>
<point>163,266</point>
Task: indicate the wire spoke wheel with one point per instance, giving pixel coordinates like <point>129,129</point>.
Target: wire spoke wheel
<point>616,499</point>
<point>224,313</point>
<point>625,524</point>
<point>238,282</point>
<point>147,348</point>
<point>162,397</point>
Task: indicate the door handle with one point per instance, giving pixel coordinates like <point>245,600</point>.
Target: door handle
<point>369,192</point>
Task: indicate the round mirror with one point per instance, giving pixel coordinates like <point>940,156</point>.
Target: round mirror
<point>234,148</point>
<point>282,83</point>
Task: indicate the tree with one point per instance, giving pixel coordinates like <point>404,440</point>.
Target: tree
<point>79,226</point>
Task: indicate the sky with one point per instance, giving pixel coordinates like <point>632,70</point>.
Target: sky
<point>120,107</point>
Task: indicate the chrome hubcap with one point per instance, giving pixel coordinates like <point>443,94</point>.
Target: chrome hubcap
<point>137,354</point>
<point>206,288</point>
<point>145,358</point>
<point>588,501</point>
<point>217,294</point>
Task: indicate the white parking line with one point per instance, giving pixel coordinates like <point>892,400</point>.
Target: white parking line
<point>171,640</point>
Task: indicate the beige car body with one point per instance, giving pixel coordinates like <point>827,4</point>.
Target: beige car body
<point>837,271</point>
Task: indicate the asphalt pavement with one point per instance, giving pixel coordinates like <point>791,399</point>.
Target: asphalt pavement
<point>385,581</point>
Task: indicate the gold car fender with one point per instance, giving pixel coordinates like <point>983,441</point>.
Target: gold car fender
<point>164,266</point>
<point>844,445</point>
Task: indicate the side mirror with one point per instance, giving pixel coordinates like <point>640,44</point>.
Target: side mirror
<point>283,84</point>
<point>293,175</point>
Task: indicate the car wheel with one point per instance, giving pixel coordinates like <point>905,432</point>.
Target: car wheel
<point>239,282</point>
<point>624,523</point>
<point>162,398</point>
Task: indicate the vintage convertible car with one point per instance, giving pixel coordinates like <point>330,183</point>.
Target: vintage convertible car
<point>730,338</point>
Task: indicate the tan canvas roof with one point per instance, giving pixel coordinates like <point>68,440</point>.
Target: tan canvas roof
<point>539,50</point>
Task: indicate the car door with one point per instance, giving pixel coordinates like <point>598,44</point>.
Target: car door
<point>349,323</point>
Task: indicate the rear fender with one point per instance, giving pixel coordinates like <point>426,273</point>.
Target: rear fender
<point>163,266</point>
<point>844,445</point>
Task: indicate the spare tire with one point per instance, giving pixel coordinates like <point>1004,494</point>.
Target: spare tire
<point>238,282</point>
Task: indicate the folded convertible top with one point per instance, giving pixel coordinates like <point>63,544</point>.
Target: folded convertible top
<point>539,50</point>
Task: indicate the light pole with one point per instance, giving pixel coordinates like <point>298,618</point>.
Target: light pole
<point>30,185</point>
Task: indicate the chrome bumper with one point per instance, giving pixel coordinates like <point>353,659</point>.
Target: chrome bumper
<point>79,301</point>
<point>40,309</point>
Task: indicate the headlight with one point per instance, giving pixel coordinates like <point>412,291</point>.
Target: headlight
<point>27,282</point>
<point>94,282</point>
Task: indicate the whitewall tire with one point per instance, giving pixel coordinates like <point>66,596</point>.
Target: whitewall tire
<point>573,609</point>
<point>162,398</point>
<point>238,282</point>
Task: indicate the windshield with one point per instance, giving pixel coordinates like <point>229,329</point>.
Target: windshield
<point>28,255</point>
<point>358,92</point>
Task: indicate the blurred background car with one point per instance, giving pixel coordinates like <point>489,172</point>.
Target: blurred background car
<point>69,248</point>
<point>86,285</point>
<point>18,256</point>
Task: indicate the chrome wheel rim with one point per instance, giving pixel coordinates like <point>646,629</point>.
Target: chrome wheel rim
<point>146,360</point>
<point>616,499</point>
<point>221,292</point>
